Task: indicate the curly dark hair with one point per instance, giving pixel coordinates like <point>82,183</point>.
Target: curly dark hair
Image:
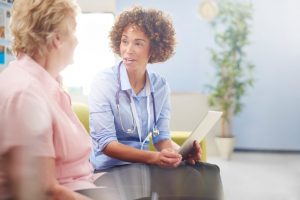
<point>156,25</point>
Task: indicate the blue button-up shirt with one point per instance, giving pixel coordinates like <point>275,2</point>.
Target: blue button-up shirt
<point>105,125</point>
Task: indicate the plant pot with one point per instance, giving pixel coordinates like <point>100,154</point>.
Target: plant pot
<point>225,146</point>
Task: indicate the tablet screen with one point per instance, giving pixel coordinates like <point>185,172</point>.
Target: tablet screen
<point>199,133</point>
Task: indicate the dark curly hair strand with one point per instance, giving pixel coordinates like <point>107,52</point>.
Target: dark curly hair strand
<point>156,25</point>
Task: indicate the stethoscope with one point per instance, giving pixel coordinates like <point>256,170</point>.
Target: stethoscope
<point>135,120</point>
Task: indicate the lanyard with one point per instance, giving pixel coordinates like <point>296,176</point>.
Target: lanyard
<point>135,115</point>
<point>135,118</point>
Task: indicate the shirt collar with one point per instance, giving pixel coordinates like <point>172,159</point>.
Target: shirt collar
<point>125,80</point>
<point>32,67</point>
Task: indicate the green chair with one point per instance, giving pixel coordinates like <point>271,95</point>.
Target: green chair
<point>82,112</point>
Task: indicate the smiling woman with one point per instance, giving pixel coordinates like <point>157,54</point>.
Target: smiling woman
<point>135,51</point>
<point>129,103</point>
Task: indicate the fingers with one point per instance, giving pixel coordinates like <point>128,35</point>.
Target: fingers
<point>170,161</point>
<point>169,158</point>
<point>170,153</point>
<point>199,152</point>
<point>177,163</point>
<point>191,161</point>
<point>196,145</point>
<point>195,154</point>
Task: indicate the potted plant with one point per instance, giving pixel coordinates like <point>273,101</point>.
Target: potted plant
<point>233,73</point>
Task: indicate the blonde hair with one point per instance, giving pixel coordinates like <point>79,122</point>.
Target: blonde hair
<point>34,22</point>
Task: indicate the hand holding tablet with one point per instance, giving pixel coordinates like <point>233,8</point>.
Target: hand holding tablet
<point>200,131</point>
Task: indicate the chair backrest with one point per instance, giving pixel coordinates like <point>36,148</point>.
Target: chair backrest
<point>187,110</point>
<point>83,113</point>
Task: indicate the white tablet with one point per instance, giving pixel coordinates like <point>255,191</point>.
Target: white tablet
<point>200,131</point>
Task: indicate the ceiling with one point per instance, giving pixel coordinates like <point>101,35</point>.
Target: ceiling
<point>97,5</point>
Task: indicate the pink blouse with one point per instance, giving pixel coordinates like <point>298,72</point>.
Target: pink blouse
<point>36,112</point>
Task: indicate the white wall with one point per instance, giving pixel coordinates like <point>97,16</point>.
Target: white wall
<point>97,5</point>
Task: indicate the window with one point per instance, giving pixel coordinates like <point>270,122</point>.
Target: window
<point>92,53</point>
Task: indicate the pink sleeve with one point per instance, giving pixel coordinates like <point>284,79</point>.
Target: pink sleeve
<point>27,122</point>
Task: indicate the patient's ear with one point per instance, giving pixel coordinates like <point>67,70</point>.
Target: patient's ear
<point>56,40</point>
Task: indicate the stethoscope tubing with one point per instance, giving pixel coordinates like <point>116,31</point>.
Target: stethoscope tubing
<point>128,96</point>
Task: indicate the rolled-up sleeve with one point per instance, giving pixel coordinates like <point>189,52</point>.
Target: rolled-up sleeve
<point>102,128</point>
<point>163,121</point>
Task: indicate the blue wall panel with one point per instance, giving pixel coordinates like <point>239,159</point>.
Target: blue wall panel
<point>271,118</point>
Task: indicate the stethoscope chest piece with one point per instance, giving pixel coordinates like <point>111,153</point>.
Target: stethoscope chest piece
<point>129,131</point>
<point>155,132</point>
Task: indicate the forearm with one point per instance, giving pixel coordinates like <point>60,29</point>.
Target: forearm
<point>164,144</point>
<point>51,186</point>
<point>34,176</point>
<point>59,192</point>
<point>127,153</point>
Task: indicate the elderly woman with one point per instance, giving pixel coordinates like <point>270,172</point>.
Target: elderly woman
<point>129,103</point>
<point>43,145</point>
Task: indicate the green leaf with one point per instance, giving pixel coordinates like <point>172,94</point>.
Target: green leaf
<point>233,73</point>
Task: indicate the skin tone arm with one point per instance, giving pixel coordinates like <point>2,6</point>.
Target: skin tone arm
<point>53,188</point>
<point>192,157</point>
<point>166,144</point>
<point>15,165</point>
<point>165,158</point>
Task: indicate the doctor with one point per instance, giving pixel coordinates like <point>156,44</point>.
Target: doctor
<point>128,103</point>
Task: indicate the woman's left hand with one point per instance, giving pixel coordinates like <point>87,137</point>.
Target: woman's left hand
<point>194,155</point>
